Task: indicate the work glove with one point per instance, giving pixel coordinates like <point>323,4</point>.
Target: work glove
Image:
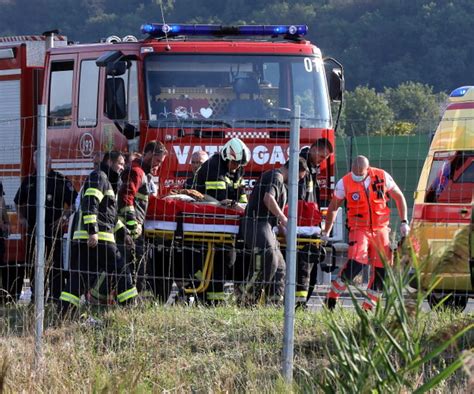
<point>404,229</point>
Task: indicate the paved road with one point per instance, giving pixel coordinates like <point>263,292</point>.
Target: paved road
<point>315,303</point>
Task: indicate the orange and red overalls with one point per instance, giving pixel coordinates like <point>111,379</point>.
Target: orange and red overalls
<point>368,218</point>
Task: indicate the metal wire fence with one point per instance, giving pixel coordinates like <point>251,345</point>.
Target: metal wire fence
<point>160,241</point>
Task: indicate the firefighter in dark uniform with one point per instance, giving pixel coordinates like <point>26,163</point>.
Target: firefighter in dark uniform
<point>221,177</point>
<point>264,211</point>
<point>134,193</point>
<point>309,190</point>
<point>60,197</point>
<point>93,248</point>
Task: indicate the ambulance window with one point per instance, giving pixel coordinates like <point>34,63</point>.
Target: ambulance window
<point>88,89</point>
<point>451,178</point>
<point>60,94</point>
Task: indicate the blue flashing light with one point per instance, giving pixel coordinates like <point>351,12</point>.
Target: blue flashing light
<point>460,92</point>
<point>161,30</point>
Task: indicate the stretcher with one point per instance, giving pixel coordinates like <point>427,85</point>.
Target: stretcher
<point>180,224</point>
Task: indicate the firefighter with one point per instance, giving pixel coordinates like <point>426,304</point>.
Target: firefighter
<point>319,151</point>
<point>264,211</point>
<point>60,197</point>
<point>366,191</point>
<point>197,158</point>
<point>5,279</point>
<point>309,190</point>
<point>221,177</point>
<point>137,186</point>
<point>93,248</point>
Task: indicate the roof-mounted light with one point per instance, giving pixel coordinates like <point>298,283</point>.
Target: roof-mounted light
<point>161,30</point>
<point>460,92</point>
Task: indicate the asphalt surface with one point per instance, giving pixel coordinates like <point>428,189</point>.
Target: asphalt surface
<point>317,299</point>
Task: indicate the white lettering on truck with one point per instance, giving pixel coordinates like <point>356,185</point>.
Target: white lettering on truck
<point>260,154</point>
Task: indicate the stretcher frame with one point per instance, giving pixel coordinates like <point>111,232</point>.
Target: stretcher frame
<point>211,239</point>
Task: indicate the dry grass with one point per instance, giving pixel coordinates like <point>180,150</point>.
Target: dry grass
<point>153,348</point>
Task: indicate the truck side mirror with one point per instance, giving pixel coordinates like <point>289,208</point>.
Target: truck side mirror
<point>336,84</point>
<point>117,69</point>
<point>115,101</point>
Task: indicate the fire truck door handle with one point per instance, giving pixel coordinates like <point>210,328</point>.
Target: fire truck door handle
<point>464,211</point>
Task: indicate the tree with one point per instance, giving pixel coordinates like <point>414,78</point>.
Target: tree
<point>366,113</point>
<point>414,103</point>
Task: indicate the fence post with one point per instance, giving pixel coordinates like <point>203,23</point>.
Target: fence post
<point>40,233</point>
<point>290,285</point>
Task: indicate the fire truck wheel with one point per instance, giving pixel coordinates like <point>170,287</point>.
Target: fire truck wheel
<point>455,302</point>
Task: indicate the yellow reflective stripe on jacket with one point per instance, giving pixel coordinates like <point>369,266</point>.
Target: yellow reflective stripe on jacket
<point>141,196</point>
<point>132,223</point>
<point>303,293</point>
<point>93,192</point>
<point>118,225</point>
<point>109,193</point>
<point>126,295</point>
<point>88,219</point>
<point>103,236</point>
<point>216,185</point>
<point>128,208</point>
<point>243,198</point>
<point>71,298</point>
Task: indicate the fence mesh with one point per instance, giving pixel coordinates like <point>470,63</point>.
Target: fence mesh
<point>167,235</point>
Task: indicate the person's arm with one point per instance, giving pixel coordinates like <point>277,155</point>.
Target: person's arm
<point>131,183</point>
<point>20,201</point>
<point>274,209</point>
<point>5,222</point>
<point>400,202</point>
<point>333,208</point>
<point>70,196</point>
<point>93,195</point>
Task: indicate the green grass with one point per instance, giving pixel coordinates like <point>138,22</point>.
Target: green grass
<point>153,348</point>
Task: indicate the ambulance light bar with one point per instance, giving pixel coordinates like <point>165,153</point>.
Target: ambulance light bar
<point>460,92</point>
<point>162,30</point>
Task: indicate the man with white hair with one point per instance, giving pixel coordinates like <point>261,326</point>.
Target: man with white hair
<point>366,191</point>
<point>197,158</point>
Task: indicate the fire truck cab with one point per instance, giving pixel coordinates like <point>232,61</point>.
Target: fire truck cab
<point>442,220</point>
<point>191,86</point>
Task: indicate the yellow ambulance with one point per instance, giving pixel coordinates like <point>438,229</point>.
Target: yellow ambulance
<point>442,221</point>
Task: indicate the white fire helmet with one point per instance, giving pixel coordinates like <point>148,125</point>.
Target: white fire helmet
<point>236,150</point>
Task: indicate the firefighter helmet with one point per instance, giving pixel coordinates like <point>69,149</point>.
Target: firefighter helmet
<point>236,150</point>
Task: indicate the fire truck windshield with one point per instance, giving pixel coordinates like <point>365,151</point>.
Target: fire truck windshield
<point>236,88</point>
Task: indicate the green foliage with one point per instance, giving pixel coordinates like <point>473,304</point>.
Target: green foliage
<point>400,128</point>
<point>381,43</point>
<point>385,350</point>
<point>366,112</point>
<point>415,102</point>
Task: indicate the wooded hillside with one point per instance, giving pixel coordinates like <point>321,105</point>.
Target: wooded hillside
<point>382,43</point>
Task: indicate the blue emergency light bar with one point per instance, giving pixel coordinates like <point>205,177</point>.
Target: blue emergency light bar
<point>162,30</point>
<point>460,92</point>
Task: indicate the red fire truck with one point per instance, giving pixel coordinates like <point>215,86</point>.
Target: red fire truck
<point>178,85</point>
